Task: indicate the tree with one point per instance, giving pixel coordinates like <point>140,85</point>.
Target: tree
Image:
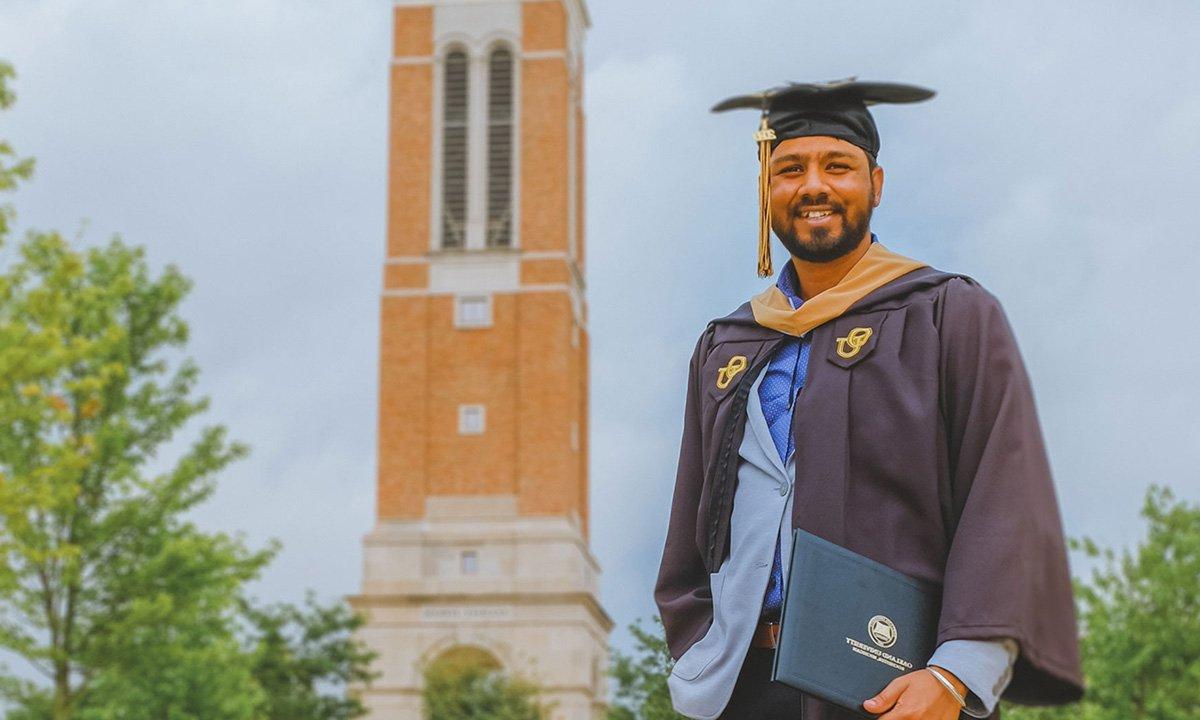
<point>104,586</point>
<point>471,686</point>
<point>1140,617</point>
<point>12,168</point>
<point>128,609</point>
<point>641,677</point>
<point>304,660</point>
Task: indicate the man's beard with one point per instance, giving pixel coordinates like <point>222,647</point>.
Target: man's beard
<point>825,246</point>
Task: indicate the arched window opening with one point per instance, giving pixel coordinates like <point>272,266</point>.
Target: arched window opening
<point>454,151</point>
<point>500,149</point>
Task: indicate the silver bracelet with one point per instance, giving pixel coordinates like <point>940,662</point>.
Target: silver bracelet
<point>942,679</point>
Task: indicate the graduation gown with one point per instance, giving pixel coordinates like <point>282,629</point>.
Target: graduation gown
<point>916,444</point>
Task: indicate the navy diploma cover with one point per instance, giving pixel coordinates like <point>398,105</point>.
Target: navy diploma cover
<point>851,625</point>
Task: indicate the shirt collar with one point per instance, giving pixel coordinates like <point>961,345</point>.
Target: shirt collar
<point>789,283</point>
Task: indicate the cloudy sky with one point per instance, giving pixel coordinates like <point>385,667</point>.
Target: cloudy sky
<point>244,141</point>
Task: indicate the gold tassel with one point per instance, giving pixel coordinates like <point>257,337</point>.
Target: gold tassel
<point>763,137</point>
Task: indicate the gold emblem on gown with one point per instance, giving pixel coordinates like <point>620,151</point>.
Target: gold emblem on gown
<point>736,364</point>
<point>849,346</point>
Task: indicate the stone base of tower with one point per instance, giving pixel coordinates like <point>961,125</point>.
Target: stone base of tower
<point>473,575</point>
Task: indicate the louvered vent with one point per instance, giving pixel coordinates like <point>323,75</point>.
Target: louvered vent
<point>500,149</point>
<point>454,152</point>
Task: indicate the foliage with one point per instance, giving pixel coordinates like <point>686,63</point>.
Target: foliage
<point>478,691</point>
<point>297,653</point>
<point>641,678</point>
<point>129,610</point>
<point>12,169</point>
<point>104,586</point>
<point>1140,616</point>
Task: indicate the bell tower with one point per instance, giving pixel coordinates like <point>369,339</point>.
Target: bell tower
<point>480,544</point>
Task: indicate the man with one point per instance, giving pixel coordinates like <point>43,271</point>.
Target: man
<point>877,403</point>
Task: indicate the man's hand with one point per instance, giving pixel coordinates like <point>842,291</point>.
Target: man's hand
<point>918,696</point>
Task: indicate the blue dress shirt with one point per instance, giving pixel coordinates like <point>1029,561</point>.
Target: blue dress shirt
<point>984,666</point>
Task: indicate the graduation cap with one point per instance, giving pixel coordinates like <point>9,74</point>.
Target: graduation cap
<point>837,109</point>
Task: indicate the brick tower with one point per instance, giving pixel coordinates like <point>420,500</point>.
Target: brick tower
<point>480,542</point>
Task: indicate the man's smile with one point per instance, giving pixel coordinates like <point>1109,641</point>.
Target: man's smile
<point>817,216</point>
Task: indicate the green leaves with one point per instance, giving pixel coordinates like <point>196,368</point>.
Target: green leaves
<point>298,651</point>
<point>641,678</point>
<point>1140,618</point>
<point>472,688</point>
<point>128,610</point>
<point>12,168</point>
<point>105,587</point>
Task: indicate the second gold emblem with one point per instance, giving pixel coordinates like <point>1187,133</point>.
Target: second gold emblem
<point>736,364</point>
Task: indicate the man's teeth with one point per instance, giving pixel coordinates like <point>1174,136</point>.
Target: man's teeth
<point>815,213</point>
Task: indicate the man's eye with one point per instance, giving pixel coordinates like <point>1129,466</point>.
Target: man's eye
<point>839,166</point>
<point>792,168</point>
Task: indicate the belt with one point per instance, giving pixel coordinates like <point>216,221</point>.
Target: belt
<point>766,635</point>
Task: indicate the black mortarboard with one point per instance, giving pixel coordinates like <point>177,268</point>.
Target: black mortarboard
<point>836,109</point>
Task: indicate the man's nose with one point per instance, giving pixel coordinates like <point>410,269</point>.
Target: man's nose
<point>812,189</point>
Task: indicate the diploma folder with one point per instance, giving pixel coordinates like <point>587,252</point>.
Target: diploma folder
<point>851,625</point>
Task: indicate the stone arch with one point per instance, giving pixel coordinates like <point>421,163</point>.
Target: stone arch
<point>463,656</point>
<point>462,648</point>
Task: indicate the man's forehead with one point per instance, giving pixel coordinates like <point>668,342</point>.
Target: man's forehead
<point>817,145</point>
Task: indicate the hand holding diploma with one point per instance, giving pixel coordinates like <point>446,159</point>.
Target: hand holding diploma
<point>918,696</point>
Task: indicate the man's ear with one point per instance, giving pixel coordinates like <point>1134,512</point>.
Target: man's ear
<point>876,185</point>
